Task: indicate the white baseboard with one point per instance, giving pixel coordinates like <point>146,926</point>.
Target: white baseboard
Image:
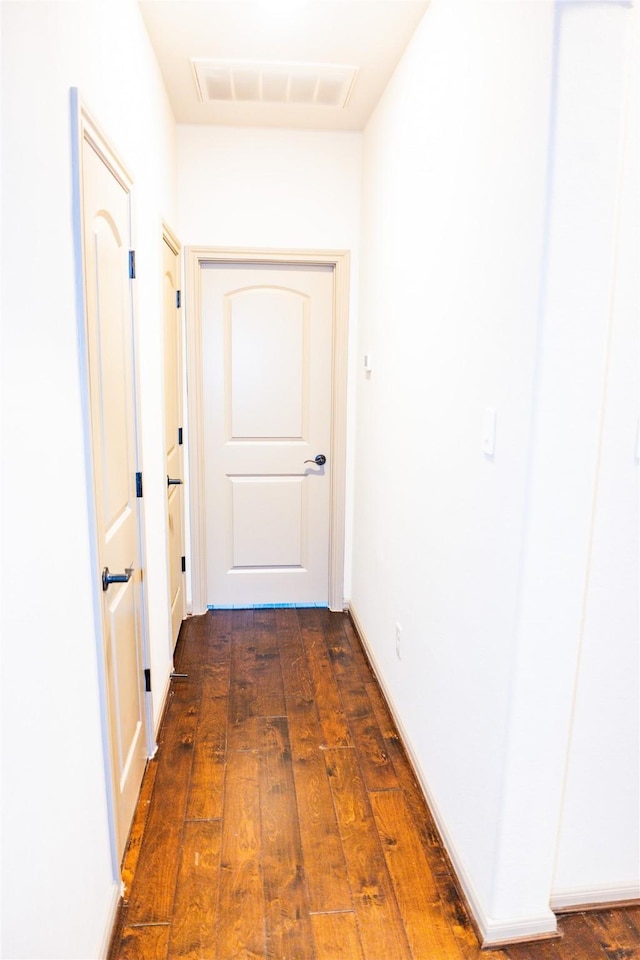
<point>490,931</point>
<point>568,897</point>
<point>114,903</point>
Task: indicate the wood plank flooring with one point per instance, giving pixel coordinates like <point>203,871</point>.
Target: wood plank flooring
<point>281,820</point>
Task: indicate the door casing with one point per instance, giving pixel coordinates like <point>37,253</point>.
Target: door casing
<point>340,261</point>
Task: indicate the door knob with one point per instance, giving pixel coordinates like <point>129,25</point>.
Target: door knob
<point>320,460</point>
<point>108,578</point>
<point>172,483</point>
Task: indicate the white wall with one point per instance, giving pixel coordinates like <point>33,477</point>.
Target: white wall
<point>599,844</point>
<point>58,889</point>
<point>557,603</point>
<point>276,188</point>
<point>484,283</point>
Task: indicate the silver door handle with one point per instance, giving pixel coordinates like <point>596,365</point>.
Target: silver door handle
<point>108,578</point>
<point>320,460</point>
<point>173,483</point>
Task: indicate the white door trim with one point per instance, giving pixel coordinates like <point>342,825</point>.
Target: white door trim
<point>339,260</point>
<point>83,126</point>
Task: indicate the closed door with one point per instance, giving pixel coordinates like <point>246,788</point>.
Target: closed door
<point>266,354</point>
<point>173,431</point>
<point>110,357</point>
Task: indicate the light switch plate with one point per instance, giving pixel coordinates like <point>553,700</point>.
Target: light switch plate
<point>489,431</point>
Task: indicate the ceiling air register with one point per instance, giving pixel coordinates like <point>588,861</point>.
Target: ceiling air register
<point>251,81</point>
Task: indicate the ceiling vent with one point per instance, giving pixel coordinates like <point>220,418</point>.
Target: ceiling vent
<point>250,81</point>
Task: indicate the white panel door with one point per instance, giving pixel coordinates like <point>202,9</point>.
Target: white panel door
<point>173,433</point>
<point>109,328</point>
<point>266,353</point>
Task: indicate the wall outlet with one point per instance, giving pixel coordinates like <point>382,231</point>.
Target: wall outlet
<point>398,636</point>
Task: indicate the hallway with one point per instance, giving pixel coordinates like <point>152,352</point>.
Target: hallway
<point>280,818</point>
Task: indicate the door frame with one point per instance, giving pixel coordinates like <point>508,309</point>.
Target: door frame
<point>169,237</point>
<point>196,258</point>
<point>84,127</point>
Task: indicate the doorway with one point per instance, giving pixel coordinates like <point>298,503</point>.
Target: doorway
<point>266,344</point>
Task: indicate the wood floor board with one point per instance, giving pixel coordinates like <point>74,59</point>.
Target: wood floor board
<point>216,676</point>
<point>325,867</point>
<point>377,769</point>
<point>154,882</point>
<point>327,881</point>
<point>380,709</point>
<point>293,660</point>
<point>194,927</point>
<point>241,917</point>
<point>612,931</point>
<point>366,735</point>
<point>415,798</point>
<point>288,927</point>
<point>415,887</point>
<point>242,732</point>
<point>632,915</point>
<point>267,670</point>
<point>336,936</point>
<point>578,939</point>
<point>144,943</point>
<point>136,833</point>
<point>456,915</point>
<point>281,818</point>
<point>333,722</point>
<point>382,933</point>
<point>204,797</point>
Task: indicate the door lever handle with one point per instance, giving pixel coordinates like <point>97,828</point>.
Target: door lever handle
<point>108,578</point>
<point>320,460</point>
<point>173,483</point>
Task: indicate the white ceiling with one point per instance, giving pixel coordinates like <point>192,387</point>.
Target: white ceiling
<point>368,34</point>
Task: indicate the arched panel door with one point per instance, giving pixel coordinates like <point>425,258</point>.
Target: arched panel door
<point>266,355</point>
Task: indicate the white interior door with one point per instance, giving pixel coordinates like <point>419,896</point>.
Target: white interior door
<point>110,355</point>
<point>266,355</point>
<point>173,432</point>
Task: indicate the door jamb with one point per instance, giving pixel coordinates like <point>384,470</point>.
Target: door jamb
<point>340,261</point>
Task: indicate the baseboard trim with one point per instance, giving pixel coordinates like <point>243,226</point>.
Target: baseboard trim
<point>112,913</point>
<point>577,899</point>
<point>490,932</point>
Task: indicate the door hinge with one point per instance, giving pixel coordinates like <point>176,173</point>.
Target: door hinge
<point>178,299</point>
<point>138,484</point>
<point>132,264</point>
<point>147,680</point>
<point>179,436</point>
<point>184,564</point>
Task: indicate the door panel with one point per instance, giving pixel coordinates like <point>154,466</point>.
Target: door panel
<point>173,424</point>
<point>266,341</point>
<point>109,323</point>
<point>275,506</point>
<point>266,354</point>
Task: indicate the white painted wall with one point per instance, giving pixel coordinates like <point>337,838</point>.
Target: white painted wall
<point>58,890</point>
<point>453,211</point>
<point>599,844</point>
<point>555,594</point>
<point>491,172</point>
<point>276,188</point>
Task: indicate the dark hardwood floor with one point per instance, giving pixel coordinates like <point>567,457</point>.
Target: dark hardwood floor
<point>281,819</point>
